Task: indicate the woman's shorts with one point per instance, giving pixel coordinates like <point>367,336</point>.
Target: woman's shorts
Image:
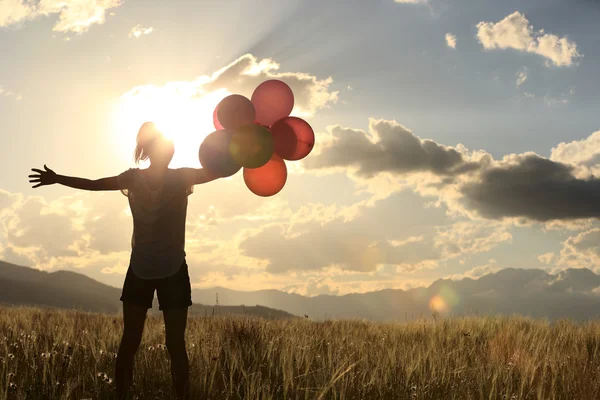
<point>173,291</point>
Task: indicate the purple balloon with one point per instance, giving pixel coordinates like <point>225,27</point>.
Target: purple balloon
<point>215,156</point>
<point>235,111</point>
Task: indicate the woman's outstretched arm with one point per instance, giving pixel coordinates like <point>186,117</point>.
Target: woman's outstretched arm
<point>49,177</point>
<point>204,175</point>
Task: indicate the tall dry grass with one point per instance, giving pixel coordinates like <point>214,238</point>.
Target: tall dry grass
<point>46,354</point>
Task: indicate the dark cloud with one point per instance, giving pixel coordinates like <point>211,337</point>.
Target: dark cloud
<point>535,188</point>
<point>521,185</point>
<point>396,149</point>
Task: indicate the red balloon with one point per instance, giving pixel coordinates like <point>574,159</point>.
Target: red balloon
<point>235,111</point>
<point>214,154</point>
<point>216,122</point>
<point>267,180</point>
<point>273,100</point>
<point>293,138</point>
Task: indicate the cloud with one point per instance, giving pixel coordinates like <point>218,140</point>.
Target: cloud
<point>314,287</point>
<point>521,77</point>
<point>584,153</point>
<point>9,93</point>
<point>514,32</point>
<point>477,272</point>
<point>411,1</point>
<point>138,30</point>
<point>578,251</point>
<point>69,232</point>
<point>470,237</point>
<point>387,147</point>
<point>16,11</point>
<point>473,184</point>
<point>539,189</point>
<point>73,15</point>
<point>451,40</point>
<point>241,76</point>
<point>381,234</point>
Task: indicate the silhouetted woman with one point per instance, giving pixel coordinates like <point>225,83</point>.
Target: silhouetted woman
<point>158,201</point>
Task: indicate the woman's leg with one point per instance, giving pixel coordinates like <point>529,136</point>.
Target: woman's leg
<point>175,324</point>
<point>134,317</point>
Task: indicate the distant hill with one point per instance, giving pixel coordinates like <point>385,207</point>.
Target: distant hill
<point>573,293</point>
<point>531,292</point>
<point>65,289</point>
<point>62,289</point>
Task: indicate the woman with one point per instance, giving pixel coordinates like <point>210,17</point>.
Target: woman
<point>158,201</point>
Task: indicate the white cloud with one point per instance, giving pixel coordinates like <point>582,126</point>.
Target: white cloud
<point>16,11</point>
<point>514,32</point>
<point>73,15</point>
<point>451,40</point>
<point>547,258</point>
<point>477,272</point>
<point>9,93</point>
<point>584,153</point>
<point>139,30</point>
<point>314,287</point>
<point>521,77</point>
<point>581,251</point>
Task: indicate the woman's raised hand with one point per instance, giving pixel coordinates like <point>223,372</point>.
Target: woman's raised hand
<point>43,178</point>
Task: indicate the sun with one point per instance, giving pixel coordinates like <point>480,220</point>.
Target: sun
<point>178,111</point>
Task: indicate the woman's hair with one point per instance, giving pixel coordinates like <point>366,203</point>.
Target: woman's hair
<point>146,135</point>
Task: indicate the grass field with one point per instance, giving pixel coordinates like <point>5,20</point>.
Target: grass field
<point>51,354</point>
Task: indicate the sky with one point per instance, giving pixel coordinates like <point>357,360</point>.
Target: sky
<point>454,138</point>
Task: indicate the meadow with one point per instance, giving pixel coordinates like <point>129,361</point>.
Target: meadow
<point>67,354</point>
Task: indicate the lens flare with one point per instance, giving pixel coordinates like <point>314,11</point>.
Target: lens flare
<point>445,300</point>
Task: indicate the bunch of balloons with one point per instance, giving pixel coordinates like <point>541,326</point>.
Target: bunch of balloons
<point>257,135</point>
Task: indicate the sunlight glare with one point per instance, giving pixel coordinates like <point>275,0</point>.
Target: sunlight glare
<point>179,111</point>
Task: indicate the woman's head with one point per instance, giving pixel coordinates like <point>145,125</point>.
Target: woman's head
<point>153,145</point>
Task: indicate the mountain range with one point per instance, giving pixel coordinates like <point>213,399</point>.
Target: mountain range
<point>66,289</point>
<point>572,293</point>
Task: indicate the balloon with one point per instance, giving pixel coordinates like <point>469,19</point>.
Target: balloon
<point>235,111</point>
<point>273,100</point>
<point>251,146</point>
<point>216,122</point>
<point>293,137</point>
<point>268,179</point>
<point>214,154</point>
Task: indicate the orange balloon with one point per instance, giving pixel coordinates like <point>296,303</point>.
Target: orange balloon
<point>267,180</point>
<point>293,138</point>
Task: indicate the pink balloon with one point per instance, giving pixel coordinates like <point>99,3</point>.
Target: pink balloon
<point>235,111</point>
<point>267,180</point>
<point>216,122</point>
<point>293,138</point>
<point>273,100</point>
